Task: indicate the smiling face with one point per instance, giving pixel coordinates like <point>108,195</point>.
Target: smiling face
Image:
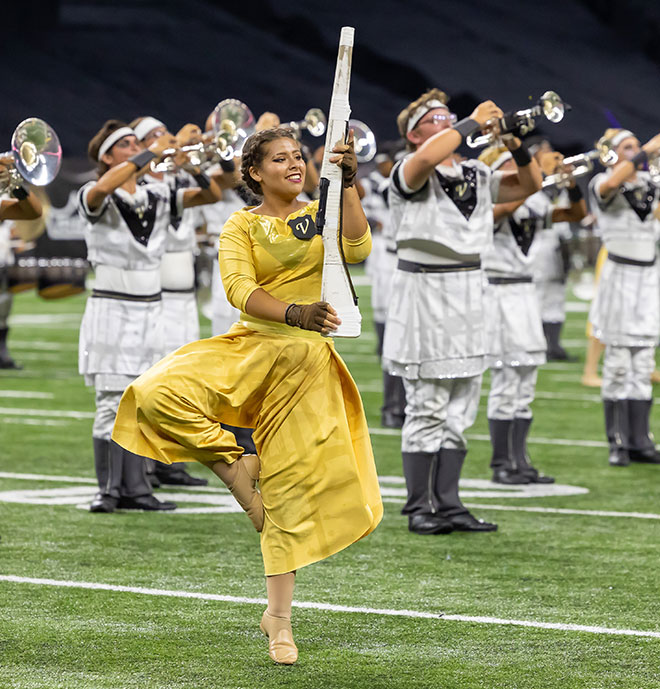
<point>125,148</point>
<point>282,170</point>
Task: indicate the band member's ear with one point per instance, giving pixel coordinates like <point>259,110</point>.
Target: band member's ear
<point>413,137</point>
<point>254,173</point>
<point>107,159</point>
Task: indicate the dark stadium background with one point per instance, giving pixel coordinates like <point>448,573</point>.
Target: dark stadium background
<point>76,63</point>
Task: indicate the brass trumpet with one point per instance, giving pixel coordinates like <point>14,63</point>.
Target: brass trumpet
<point>314,122</point>
<point>549,105</point>
<point>35,156</point>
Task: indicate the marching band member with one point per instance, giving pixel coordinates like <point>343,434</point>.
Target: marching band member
<point>381,266</point>
<point>516,345</point>
<point>272,371</point>
<point>22,205</point>
<point>442,217</point>
<point>625,313</point>
<point>121,331</point>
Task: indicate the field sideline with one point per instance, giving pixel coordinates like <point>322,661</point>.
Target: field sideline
<point>565,594</point>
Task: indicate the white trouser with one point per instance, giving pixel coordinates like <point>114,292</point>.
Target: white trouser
<point>438,411</point>
<point>627,373</point>
<point>511,392</point>
<point>552,297</point>
<point>107,403</point>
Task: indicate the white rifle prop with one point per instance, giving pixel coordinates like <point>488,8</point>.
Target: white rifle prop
<point>337,288</point>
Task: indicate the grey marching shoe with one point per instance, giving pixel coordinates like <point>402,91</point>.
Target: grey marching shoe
<point>502,461</point>
<point>419,469</point>
<point>174,475</point>
<point>617,430</point>
<point>450,463</point>
<point>524,466</point>
<point>641,446</point>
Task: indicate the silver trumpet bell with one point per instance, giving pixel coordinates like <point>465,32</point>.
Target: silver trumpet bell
<point>364,141</point>
<point>606,152</point>
<point>549,105</point>
<point>583,164</point>
<point>36,155</point>
<point>233,122</point>
<point>314,122</point>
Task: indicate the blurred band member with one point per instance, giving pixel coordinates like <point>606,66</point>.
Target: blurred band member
<point>121,333</point>
<point>19,204</point>
<point>381,266</point>
<point>442,217</point>
<point>625,313</point>
<point>516,345</point>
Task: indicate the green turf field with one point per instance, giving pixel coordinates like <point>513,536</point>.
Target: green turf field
<point>584,577</point>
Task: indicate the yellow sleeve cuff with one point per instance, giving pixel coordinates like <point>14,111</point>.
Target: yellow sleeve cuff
<point>356,250</point>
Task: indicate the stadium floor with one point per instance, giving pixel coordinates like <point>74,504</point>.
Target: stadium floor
<point>565,594</point>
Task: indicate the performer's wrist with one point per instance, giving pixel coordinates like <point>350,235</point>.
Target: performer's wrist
<point>467,126</point>
<point>640,159</point>
<point>227,165</point>
<point>20,193</point>
<point>202,179</point>
<point>141,159</point>
<point>575,194</point>
<point>292,315</point>
<point>521,156</point>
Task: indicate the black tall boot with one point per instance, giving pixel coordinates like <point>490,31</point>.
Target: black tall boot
<point>446,493</point>
<point>552,332</point>
<point>617,429</point>
<point>641,447</point>
<point>175,475</point>
<point>502,461</point>
<point>108,474</point>
<point>523,464</point>
<point>392,413</point>
<point>419,469</point>
<point>136,492</point>
<point>5,360</point>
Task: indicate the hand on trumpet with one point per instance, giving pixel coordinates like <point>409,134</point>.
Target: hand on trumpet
<point>188,135</point>
<point>267,120</point>
<point>486,112</point>
<point>166,143</point>
<point>652,146</point>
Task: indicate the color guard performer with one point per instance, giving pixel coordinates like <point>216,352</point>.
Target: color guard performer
<point>514,333</point>
<point>625,313</point>
<point>434,338</point>
<point>121,333</point>
<point>275,372</point>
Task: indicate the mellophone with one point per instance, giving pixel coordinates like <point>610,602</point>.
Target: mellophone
<point>35,157</point>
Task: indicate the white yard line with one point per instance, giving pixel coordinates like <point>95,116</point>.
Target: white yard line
<point>44,344</point>
<point>47,477</point>
<point>561,510</point>
<point>569,442</point>
<point>55,413</point>
<point>33,422</point>
<point>329,607</point>
<point>27,394</point>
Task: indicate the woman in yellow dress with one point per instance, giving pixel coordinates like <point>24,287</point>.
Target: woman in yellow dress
<point>274,371</point>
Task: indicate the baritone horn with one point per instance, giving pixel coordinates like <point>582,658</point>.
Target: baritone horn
<point>35,156</point>
<point>314,122</point>
<point>233,122</point>
<point>363,140</point>
<point>549,105</point>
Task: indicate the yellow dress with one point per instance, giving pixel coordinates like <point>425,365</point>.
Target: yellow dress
<point>318,477</point>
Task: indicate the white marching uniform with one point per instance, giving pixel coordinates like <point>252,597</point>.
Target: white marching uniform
<point>121,334</point>
<point>625,312</point>
<point>6,260</point>
<point>215,215</point>
<point>514,332</point>
<point>435,337</point>
<point>177,271</point>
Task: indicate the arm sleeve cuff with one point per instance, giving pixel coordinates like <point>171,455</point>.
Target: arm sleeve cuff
<point>356,250</point>
<point>91,215</point>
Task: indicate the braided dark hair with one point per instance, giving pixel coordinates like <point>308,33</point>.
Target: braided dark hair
<point>254,151</point>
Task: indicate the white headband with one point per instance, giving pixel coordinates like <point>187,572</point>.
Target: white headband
<point>618,138</point>
<point>504,156</point>
<point>144,126</point>
<point>422,110</point>
<point>112,139</point>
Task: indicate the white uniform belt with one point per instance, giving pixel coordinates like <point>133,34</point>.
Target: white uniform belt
<point>412,267</point>
<point>127,283</point>
<point>177,271</point>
